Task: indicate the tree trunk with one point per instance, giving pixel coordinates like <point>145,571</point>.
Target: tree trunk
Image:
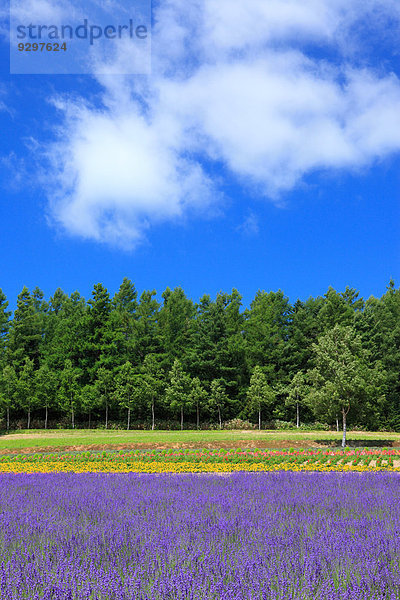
<point>182,417</point>
<point>297,414</point>
<point>8,419</point>
<point>259,419</point>
<point>72,412</point>
<point>129,419</point>
<point>219,417</point>
<point>90,416</point>
<point>29,417</point>
<point>46,416</point>
<point>106,415</point>
<point>337,424</point>
<point>197,415</point>
<point>152,413</point>
<point>344,428</point>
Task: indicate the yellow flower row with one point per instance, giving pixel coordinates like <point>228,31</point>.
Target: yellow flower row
<point>181,467</point>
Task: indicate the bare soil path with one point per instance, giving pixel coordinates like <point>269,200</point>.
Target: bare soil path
<point>31,441</point>
<point>273,444</point>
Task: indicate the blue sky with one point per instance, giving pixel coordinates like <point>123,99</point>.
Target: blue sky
<point>263,152</point>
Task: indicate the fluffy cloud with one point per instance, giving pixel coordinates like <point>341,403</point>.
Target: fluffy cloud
<point>250,226</point>
<point>3,105</point>
<point>118,170</point>
<point>42,11</point>
<point>235,85</point>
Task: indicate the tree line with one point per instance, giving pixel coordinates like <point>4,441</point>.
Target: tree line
<point>131,358</point>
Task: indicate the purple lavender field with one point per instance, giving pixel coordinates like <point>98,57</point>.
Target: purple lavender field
<point>148,537</point>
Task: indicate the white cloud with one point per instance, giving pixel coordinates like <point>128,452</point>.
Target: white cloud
<point>41,11</point>
<point>232,83</point>
<point>4,20</point>
<point>5,104</point>
<point>250,226</point>
<point>265,119</point>
<point>118,171</point>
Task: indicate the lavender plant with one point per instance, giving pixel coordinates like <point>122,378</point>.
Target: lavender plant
<point>266,536</point>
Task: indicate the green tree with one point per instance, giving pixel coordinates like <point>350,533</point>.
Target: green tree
<point>8,387</point>
<point>178,390</point>
<point>297,391</point>
<point>340,308</point>
<point>379,328</point>
<point>25,388</point>
<point>217,348</point>
<point>259,394</point>
<point>4,325</point>
<point>123,323</point>
<point>304,328</point>
<point>89,400</point>
<point>46,384</point>
<point>126,389</point>
<point>98,337</point>
<point>218,398</point>
<point>66,335</point>
<point>231,354</point>
<point>104,388</point>
<point>25,332</point>
<point>175,319</point>
<point>147,327</point>
<point>152,382</point>
<point>342,378</point>
<point>57,301</point>
<point>267,329</point>
<point>198,396</point>
<point>68,392</point>
<point>41,310</point>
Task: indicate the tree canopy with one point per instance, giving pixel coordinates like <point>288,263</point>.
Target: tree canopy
<point>170,361</point>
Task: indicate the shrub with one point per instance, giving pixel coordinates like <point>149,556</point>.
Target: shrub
<point>279,424</point>
<point>358,428</point>
<point>238,424</point>
<point>317,426</point>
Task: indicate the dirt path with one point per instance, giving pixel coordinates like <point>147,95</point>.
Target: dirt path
<point>173,445</point>
<point>273,444</point>
<point>256,435</point>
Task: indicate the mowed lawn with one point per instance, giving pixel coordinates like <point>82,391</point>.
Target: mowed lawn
<point>59,438</point>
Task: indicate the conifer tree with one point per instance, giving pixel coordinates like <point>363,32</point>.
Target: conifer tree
<point>123,323</point>
<point>68,391</point>
<point>267,329</point>
<point>152,382</point>
<point>8,387</point>
<point>25,332</point>
<point>89,400</point>
<point>198,396</point>
<point>25,388</point>
<point>126,389</point>
<point>98,339</point>
<point>178,390</point>
<point>4,325</point>
<point>45,384</point>
<point>104,387</point>
<point>175,319</point>
<point>148,339</point>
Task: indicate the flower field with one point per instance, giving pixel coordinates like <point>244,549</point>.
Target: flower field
<point>264,536</point>
<point>165,461</point>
